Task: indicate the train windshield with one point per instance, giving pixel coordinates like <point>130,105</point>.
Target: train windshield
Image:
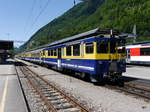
<point>102,47</point>
<point>111,47</point>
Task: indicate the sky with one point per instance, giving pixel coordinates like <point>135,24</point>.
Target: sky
<point>20,19</point>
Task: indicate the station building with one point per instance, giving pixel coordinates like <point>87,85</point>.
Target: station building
<point>5,50</point>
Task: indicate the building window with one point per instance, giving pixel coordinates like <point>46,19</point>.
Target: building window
<point>145,51</point>
<point>68,51</point>
<point>89,48</point>
<point>76,50</point>
<point>102,47</point>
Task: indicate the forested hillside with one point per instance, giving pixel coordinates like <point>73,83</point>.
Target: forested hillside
<point>90,14</point>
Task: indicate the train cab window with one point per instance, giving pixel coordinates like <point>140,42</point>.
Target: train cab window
<point>89,48</point>
<point>102,47</point>
<point>42,53</point>
<point>68,51</point>
<point>76,50</point>
<point>113,47</point>
<point>55,53</point>
<point>121,49</point>
<point>145,51</point>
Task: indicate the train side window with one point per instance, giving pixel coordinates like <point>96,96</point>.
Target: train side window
<point>55,53</point>
<point>76,50</point>
<point>62,51</point>
<point>43,53</point>
<point>102,47</point>
<point>89,48</point>
<point>68,51</point>
<point>145,51</point>
<point>49,52</point>
<point>52,53</point>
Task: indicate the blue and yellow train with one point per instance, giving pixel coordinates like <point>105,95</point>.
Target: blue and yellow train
<point>95,54</point>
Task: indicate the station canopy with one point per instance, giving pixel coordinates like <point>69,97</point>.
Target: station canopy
<point>6,45</point>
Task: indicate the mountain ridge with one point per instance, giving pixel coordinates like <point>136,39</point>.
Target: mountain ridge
<point>90,14</point>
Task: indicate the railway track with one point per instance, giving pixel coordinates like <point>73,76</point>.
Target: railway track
<point>53,98</point>
<point>131,89</point>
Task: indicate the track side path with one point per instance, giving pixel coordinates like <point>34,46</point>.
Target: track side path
<point>11,97</point>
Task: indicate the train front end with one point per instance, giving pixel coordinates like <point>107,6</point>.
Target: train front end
<point>110,58</point>
<point>117,57</point>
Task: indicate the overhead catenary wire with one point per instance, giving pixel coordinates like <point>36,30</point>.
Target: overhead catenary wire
<point>29,16</point>
<point>42,10</point>
<point>40,13</point>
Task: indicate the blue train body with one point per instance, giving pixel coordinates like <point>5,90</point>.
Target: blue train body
<point>98,56</point>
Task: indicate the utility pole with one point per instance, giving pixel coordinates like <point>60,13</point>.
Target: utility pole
<point>74,2</point>
<point>134,33</point>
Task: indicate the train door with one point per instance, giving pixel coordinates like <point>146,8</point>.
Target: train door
<point>59,56</point>
<point>40,57</point>
<point>128,55</point>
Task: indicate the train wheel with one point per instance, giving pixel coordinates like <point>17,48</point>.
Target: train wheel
<point>120,82</point>
<point>86,77</point>
<point>97,79</point>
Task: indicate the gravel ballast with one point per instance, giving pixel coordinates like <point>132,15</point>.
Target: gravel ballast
<point>99,98</point>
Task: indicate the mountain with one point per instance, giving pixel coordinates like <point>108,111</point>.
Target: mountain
<point>89,14</point>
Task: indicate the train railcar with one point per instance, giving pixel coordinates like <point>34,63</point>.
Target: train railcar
<point>138,53</point>
<point>94,54</point>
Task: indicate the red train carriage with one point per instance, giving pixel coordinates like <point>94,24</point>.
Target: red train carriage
<point>138,53</point>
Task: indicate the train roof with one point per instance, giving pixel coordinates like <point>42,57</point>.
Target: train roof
<point>94,32</point>
<point>139,44</point>
<point>90,33</point>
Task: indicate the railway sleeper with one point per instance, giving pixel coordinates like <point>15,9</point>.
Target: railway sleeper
<point>52,95</point>
<point>55,98</point>
<point>56,102</point>
<point>63,106</point>
<point>48,92</point>
<point>46,89</point>
<point>70,110</point>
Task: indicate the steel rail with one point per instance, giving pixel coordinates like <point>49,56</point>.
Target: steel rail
<point>50,106</point>
<point>83,109</point>
<point>134,92</point>
<point>70,100</point>
<point>142,89</point>
<point>130,91</point>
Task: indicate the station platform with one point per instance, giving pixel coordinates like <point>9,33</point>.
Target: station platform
<point>140,72</point>
<point>11,97</point>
